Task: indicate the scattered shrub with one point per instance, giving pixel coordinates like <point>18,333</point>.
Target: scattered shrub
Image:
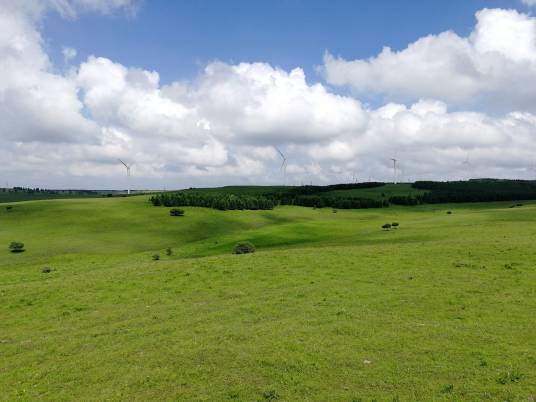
<point>387,226</point>
<point>449,212</point>
<point>244,248</point>
<point>9,207</point>
<point>46,270</point>
<point>509,377</point>
<point>16,247</point>
<point>176,212</point>
<point>270,395</point>
<point>395,225</point>
<point>169,251</point>
<point>156,257</point>
<point>334,211</point>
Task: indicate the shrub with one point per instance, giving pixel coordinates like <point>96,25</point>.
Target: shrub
<point>270,395</point>
<point>447,389</point>
<point>394,225</point>
<point>169,251</point>
<point>449,212</point>
<point>16,247</point>
<point>156,257</point>
<point>9,208</point>
<point>176,212</point>
<point>46,270</point>
<point>387,226</point>
<point>244,248</point>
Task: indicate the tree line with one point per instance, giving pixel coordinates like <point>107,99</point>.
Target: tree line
<point>211,200</point>
<point>268,201</point>
<point>476,190</point>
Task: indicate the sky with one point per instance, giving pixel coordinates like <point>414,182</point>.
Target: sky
<point>203,93</point>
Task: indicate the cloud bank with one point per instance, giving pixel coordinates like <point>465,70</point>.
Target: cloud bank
<point>455,107</point>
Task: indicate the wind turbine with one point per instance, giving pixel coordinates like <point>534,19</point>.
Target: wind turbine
<point>283,164</point>
<point>128,175</point>
<point>394,170</point>
<point>467,166</point>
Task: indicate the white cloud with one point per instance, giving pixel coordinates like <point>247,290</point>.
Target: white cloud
<point>69,53</point>
<point>68,129</point>
<point>495,66</point>
<point>529,3</point>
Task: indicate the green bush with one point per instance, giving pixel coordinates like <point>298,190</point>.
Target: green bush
<point>387,226</point>
<point>16,247</point>
<point>176,212</point>
<point>156,257</point>
<point>394,225</point>
<point>244,248</point>
<point>9,207</point>
<point>169,251</point>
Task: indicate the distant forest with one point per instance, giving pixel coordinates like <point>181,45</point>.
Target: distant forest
<point>348,196</point>
<point>477,190</point>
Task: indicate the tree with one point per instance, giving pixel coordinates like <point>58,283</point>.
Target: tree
<point>176,212</point>
<point>244,248</point>
<point>16,247</point>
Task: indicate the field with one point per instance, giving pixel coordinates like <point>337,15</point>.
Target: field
<point>330,307</point>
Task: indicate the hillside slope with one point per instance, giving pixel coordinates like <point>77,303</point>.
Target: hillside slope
<point>331,307</point>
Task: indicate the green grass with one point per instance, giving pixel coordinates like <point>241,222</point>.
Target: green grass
<point>21,195</point>
<point>330,308</point>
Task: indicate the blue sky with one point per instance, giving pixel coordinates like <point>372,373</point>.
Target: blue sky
<point>178,38</point>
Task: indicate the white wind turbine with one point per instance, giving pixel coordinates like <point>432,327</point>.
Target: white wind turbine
<point>467,166</point>
<point>283,164</point>
<point>394,169</point>
<point>128,175</point>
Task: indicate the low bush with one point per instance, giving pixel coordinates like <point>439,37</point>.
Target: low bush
<point>176,212</point>
<point>16,247</point>
<point>46,270</point>
<point>169,251</point>
<point>244,248</point>
<point>387,226</point>
<point>394,225</point>
<point>9,207</point>
<point>156,257</point>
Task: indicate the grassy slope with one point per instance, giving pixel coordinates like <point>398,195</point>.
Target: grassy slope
<point>445,299</point>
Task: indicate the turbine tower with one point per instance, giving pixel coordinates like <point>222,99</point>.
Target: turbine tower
<point>467,166</point>
<point>394,170</point>
<point>128,175</point>
<point>283,165</point>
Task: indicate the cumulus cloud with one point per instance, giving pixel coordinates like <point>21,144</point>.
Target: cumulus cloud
<point>69,129</point>
<point>68,53</point>
<point>35,9</point>
<point>494,67</point>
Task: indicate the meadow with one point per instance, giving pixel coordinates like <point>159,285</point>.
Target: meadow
<point>330,307</point>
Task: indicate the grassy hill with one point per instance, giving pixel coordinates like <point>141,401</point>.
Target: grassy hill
<point>330,308</point>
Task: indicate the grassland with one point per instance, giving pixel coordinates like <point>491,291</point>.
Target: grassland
<point>330,308</point>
